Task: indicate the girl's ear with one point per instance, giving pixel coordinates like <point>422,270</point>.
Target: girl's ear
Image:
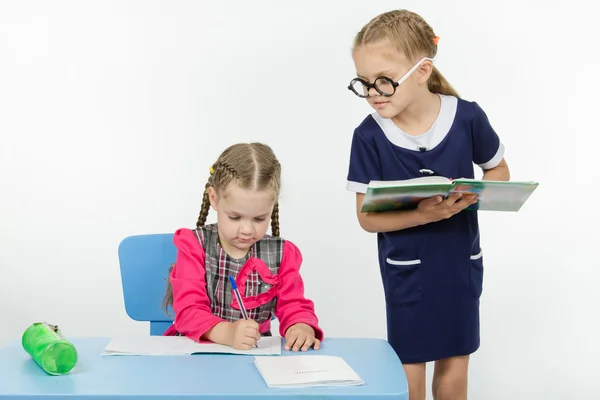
<point>212,197</point>
<point>425,70</point>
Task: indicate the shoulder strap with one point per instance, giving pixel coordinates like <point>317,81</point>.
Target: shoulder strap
<point>205,235</point>
<point>199,237</point>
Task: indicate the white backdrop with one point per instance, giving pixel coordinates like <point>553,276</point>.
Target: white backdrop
<point>112,111</point>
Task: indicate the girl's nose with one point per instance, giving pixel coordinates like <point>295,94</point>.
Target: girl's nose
<point>246,228</point>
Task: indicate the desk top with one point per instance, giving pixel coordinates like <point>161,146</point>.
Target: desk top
<point>202,376</point>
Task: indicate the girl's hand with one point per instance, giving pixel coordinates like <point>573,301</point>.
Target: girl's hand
<point>437,208</point>
<point>243,334</point>
<point>301,336</point>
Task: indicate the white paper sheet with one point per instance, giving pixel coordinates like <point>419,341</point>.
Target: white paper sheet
<point>180,345</point>
<point>306,371</point>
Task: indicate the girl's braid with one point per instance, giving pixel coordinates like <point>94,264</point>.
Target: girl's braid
<point>275,220</point>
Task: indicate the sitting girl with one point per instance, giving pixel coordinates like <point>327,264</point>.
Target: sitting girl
<point>243,189</point>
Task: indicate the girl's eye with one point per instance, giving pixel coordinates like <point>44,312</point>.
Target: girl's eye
<point>260,219</point>
<point>233,218</point>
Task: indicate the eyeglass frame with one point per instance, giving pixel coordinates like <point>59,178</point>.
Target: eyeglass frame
<point>370,86</point>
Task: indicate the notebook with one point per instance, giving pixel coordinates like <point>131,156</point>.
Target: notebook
<point>181,345</point>
<point>306,371</point>
<point>405,195</point>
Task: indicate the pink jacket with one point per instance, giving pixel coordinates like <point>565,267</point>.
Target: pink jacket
<point>193,316</point>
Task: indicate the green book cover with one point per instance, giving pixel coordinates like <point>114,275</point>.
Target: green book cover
<point>405,195</point>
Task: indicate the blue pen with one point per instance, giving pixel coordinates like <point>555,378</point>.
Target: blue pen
<point>238,296</point>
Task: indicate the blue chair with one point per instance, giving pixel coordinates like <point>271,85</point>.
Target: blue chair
<point>144,261</point>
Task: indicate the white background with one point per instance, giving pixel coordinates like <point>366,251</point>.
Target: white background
<point>112,111</point>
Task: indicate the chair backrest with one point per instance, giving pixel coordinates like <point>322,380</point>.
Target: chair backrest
<point>144,261</point>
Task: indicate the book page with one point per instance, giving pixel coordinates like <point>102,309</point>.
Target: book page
<point>425,180</point>
<point>306,370</point>
<point>403,195</point>
<point>181,345</point>
<point>496,195</point>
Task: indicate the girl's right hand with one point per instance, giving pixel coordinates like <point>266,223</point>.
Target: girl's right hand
<point>243,334</point>
<point>437,208</point>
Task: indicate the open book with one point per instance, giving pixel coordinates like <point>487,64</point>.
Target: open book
<point>181,345</point>
<point>305,371</point>
<point>405,195</point>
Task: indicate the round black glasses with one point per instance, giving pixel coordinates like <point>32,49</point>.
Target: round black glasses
<point>383,85</point>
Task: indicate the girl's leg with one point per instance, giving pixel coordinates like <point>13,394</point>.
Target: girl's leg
<point>415,375</point>
<point>450,378</point>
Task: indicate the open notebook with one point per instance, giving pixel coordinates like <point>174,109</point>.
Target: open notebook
<point>180,345</point>
<point>306,371</point>
<point>406,195</point>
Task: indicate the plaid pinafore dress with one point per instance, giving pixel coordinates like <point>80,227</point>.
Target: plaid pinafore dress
<point>256,276</point>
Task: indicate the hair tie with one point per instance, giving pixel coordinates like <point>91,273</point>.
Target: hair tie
<point>211,170</point>
<point>436,40</point>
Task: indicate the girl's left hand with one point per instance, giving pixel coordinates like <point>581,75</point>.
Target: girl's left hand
<point>301,336</point>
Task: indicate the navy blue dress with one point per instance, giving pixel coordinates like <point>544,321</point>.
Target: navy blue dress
<point>432,274</point>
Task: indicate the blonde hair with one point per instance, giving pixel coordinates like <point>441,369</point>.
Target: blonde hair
<point>249,165</point>
<point>408,33</point>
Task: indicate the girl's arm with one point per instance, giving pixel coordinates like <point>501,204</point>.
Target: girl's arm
<point>389,221</point>
<point>292,307</point>
<point>498,173</point>
<point>429,210</point>
<point>193,315</point>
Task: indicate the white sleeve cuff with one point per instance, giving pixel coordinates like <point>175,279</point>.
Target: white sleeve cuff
<point>356,187</point>
<point>493,163</point>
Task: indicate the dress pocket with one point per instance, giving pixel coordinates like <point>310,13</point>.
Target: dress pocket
<point>476,275</point>
<point>403,281</point>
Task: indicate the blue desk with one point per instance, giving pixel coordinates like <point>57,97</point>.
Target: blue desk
<point>206,376</point>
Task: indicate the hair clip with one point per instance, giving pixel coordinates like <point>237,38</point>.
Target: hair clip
<point>211,170</point>
<point>436,40</point>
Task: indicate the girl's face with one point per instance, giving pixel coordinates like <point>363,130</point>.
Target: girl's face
<point>243,216</point>
<point>381,59</point>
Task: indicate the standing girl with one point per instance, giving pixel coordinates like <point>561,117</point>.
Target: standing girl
<point>430,258</point>
<point>243,189</point>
